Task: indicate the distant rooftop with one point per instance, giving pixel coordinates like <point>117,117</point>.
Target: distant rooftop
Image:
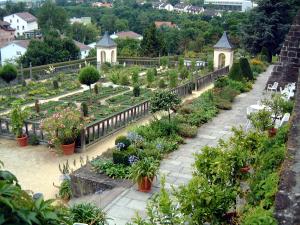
<point>126,34</point>
<point>106,41</point>
<point>26,16</point>
<point>224,42</point>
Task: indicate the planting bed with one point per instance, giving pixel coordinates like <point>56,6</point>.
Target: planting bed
<point>38,90</point>
<point>104,92</point>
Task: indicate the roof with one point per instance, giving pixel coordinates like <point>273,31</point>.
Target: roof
<point>128,34</point>
<point>106,41</point>
<point>26,16</point>
<point>223,42</point>
<point>6,26</point>
<point>82,46</point>
<point>159,24</point>
<point>180,6</point>
<point>21,43</point>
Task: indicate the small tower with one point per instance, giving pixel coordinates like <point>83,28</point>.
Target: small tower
<point>106,50</point>
<point>223,53</point>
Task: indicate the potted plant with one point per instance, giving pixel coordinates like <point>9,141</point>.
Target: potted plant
<point>17,118</point>
<point>143,172</point>
<point>63,128</point>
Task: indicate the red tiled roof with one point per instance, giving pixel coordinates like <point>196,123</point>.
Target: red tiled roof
<point>22,43</point>
<point>82,46</point>
<point>26,16</point>
<point>159,24</point>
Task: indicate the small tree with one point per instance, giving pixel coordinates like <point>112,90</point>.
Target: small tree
<point>235,72</point>
<point>164,101</point>
<point>173,78</point>
<point>180,63</point>
<point>8,73</point>
<point>164,61</point>
<point>88,76</point>
<point>184,73</point>
<point>246,69</point>
<point>150,77</point>
<point>135,77</point>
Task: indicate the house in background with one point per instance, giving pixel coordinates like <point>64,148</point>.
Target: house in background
<point>195,10</point>
<point>166,6</point>
<point>84,20</point>
<point>180,7</point>
<point>160,24</point>
<point>7,34</point>
<point>22,22</point>
<point>101,4</point>
<point>232,5</point>
<point>11,51</point>
<point>126,35</point>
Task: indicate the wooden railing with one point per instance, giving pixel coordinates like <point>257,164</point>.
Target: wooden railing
<point>97,130</point>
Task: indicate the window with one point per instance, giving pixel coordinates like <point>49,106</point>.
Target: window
<point>10,21</point>
<point>23,27</point>
<point>17,20</point>
<point>17,27</point>
<point>18,53</point>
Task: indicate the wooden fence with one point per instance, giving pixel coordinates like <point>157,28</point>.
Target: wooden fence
<point>97,130</point>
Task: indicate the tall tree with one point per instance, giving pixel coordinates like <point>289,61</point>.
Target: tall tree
<point>267,26</point>
<point>51,16</point>
<point>83,33</point>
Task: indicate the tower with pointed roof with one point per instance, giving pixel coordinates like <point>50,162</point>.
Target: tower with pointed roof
<point>106,50</point>
<point>223,53</point>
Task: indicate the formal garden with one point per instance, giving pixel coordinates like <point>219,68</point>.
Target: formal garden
<point>138,154</point>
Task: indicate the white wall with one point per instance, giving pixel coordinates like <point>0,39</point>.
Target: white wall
<point>19,24</point>
<point>84,54</point>
<point>11,52</point>
<point>228,57</point>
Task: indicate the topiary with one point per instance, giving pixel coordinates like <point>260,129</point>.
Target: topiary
<point>122,142</point>
<point>235,72</point>
<point>96,89</point>
<point>88,76</point>
<point>136,91</point>
<point>84,109</point>
<point>55,84</point>
<point>37,106</point>
<point>246,69</point>
<point>8,73</point>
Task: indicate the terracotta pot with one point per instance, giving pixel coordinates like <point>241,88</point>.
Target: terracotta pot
<point>68,149</point>
<point>272,132</point>
<point>23,141</point>
<point>245,169</point>
<point>145,184</point>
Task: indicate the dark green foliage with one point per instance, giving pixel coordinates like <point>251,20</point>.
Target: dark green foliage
<point>265,55</point>
<point>89,75</point>
<point>173,78</point>
<point>259,216</point>
<point>135,77</point>
<point>124,140</point>
<point>122,157</point>
<point>187,131</point>
<point>246,69</point>
<point>8,73</point>
<point>184,73</point>
<point>55,84</point>
<point>96,89</point>
<point>65,191</point>
<point>235,72</point>
<point>150,76</point>
<point>162,84</point>
<point>24,84</point>
<point>88,213</point>
<point>136,91</point>
<point>221,82</point>
<point>110,169</point>
<point>84,109</point>
<point>33,140</point>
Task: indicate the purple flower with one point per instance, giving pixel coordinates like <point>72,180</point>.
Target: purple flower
<point>132,159</point>
<point>159,146</point>
<point>120,146</point>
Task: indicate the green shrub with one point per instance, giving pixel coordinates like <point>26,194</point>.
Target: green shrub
<point>173,78</point>
<point>124,140</point>
<point>223,104</point>
<point>124,80</point>
<point>33,140</point>
<point>246,69</point>
<point>24,84</point>
<point>235,72</point>
<point>122,157</point>
<point>161,83</point>
<point>259,216</point>
<point>266,55</point>
<point>187,131</point>
<point>84,109</point>
<point>228,94</point>
<point>96,89</point>
<point>136,91</point>
<point>65,191</point>
<point>110,169</point>
<point>150,76</point>
<point>55,84</point>
<point>88,76</point>
<point>221,82</point>
<point>88,213</point>
<point>150,152</point>
<point>135,77</point>
<point>184,73</point>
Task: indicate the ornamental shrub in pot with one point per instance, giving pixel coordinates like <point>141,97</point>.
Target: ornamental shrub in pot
<point>63,127</point>
<point>17,118</point>
<point>143,172</point>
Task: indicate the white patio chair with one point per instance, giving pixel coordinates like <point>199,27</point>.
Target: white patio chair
<point>272,87</point>
<point>283,121</point>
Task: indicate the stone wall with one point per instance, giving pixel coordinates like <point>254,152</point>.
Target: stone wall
<point>287,201</point>
<point>287,69</point>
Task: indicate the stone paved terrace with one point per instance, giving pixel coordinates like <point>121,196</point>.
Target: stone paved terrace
<point>177,167</point>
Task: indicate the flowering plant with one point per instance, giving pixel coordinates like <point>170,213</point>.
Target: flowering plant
<point>64,126</point>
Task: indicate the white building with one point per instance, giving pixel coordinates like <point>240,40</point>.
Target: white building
<point>22,22</point>
<point>180,7</point>
<point>233,5</point>
<point>11,51</point>
<point>166,6</point>
<point>83,20</point>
